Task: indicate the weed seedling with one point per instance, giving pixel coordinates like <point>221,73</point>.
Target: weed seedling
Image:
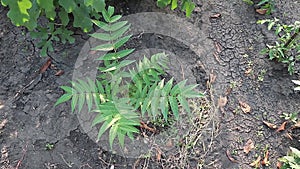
<point>291,160</point>
<point>268,5</point>
<point>293,117</point>
<point>287,47</point>
<point>49,146</point>
<point>261,75</point>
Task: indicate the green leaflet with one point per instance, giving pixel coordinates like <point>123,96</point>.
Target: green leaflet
<point>110,27</point>
<point>49,8</point>
<point>82,19</point>
<point>63,98</point>
<point>68,5</point>
<point>63,15</point>
<point>18,11</point>
<point>186,5</point>
<point>118,55</point>
<point>104,47</point>
<point>98,5</point>
<point>34,13</point>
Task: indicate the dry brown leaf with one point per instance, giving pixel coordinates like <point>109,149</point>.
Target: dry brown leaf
<point>222,102</point>
<point>248,146</point>
<point>270,125</point>
<point>256,163</point>
<point>265,161</point>
<point>158,154</point>
<point>261,11</point>
<point>279,165</point>
<point>230,157</point>
<point>45,66</point>
<point>215,15</point>
<point>248,71</point>
<point>59,73</point>
<point>245,107</point>
<point>281,127</point>
<point>146,127</point>
<point>228,91</point>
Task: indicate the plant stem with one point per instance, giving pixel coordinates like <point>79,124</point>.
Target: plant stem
<point>290,40</point>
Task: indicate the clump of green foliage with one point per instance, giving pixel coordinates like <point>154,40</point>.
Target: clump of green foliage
<point>287,47</point>
<point>291,160</point>
<point>186,5</point>
<point>268,5</point>
<point>122,96</point>
<point>59,13</point>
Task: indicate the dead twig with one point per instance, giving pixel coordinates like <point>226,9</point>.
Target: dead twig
<point>24,151</point>
<point>145,126</point>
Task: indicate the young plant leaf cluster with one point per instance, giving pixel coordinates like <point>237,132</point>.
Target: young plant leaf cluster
<point>63,13</point>
<point>59,13</point>
<point>186,5</point>
<point>267,5</point>
<point>287,47</point>
<point>122,96</point>
<point>292,160</point>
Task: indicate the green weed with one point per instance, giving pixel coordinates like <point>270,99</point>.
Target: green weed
<point>287,47</point>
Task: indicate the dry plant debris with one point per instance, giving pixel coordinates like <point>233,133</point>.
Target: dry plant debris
<point>249,146</point>
<point>281,127</point>
<point>245,107</point>
<point>222,102</point>
<point>270,125</point>
<point>256,163</point>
